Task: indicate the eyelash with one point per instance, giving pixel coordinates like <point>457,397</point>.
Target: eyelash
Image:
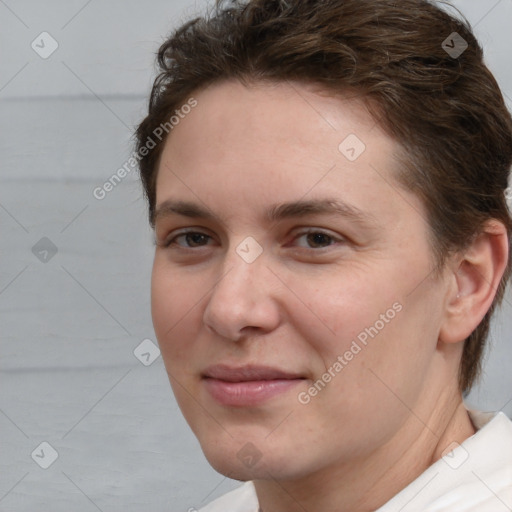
<point>171,241</point>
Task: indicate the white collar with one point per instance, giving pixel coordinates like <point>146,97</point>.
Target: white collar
<point>475,476</point>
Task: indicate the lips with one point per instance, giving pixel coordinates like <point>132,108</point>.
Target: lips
<point>247,373</point>
<point>247,385</point>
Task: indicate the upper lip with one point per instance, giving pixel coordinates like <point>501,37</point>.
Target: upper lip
<point>247,373</point>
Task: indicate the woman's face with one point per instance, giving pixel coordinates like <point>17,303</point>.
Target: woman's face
<point>283,297</point>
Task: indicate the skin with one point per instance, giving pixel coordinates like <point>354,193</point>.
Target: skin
<point>393,409</point>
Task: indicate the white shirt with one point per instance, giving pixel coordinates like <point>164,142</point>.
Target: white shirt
<point>475,476</point>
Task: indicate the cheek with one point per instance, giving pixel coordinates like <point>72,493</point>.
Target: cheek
<point>368,317</point>
<point>174,310</point>
<point>176,318</point>
<point>339,307</point>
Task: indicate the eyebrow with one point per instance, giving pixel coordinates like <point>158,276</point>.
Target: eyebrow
<point>277,212</point>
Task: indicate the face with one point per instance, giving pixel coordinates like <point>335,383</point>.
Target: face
<point>288,330</point>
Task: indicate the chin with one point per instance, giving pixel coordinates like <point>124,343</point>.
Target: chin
<point>234,470</point>
<point>244,461</point>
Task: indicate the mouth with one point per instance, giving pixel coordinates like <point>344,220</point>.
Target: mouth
<point>247,385</point>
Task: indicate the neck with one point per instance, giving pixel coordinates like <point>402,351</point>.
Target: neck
<point>367,484</point>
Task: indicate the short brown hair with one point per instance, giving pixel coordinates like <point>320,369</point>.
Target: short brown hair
<point>445,110</point>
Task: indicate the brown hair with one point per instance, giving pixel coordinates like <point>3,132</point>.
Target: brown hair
<point>445,110</point>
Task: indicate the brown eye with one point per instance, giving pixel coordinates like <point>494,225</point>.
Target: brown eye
<point>318,239</point>
<point>192,239</point>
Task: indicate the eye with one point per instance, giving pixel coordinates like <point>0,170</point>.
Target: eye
<point>193,239</point>
<point>317,239</point>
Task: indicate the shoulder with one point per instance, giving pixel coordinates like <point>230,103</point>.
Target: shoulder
<point>242,499</point>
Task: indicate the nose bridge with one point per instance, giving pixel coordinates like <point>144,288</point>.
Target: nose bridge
<point>244,267</point>
<point>240,298</point>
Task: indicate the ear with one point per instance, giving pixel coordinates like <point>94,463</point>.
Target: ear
<point>475,278</point>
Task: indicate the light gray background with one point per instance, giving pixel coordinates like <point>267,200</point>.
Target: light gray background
<point>69,326</point>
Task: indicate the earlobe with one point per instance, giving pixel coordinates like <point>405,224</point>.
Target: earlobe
<point>475,282</point>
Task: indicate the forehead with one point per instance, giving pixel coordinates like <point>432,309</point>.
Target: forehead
<point>253,146</point>
<point>266,107</point>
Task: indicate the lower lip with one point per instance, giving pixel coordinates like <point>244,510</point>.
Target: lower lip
<point>247,393</point>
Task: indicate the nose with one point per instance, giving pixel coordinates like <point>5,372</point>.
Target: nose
<point>243,301</point>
